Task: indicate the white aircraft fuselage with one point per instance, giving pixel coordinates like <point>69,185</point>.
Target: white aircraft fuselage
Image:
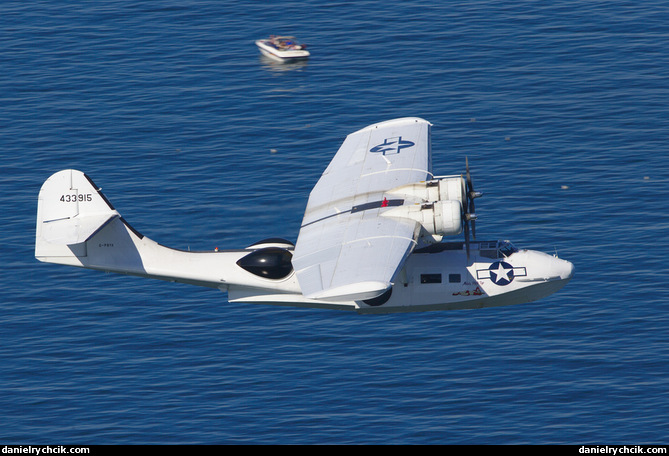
<point>371,240</point>
<point>437,277</point>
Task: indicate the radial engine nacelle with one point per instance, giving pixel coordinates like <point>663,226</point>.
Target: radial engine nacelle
<point>450,188</point>
<point>438,206</point>
<point>439,218</point>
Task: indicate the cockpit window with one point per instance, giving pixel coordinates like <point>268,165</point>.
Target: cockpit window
<point>506,249</point>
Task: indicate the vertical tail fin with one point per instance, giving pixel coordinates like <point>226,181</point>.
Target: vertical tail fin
<point>70,210</point>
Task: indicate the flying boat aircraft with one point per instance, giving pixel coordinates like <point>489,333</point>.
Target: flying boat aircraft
<point>371,240</point>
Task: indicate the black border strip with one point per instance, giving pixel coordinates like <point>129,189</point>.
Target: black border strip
<point>98,189</point>
<point>362,207</point>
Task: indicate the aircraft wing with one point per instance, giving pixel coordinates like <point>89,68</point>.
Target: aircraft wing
<point>345,250</point>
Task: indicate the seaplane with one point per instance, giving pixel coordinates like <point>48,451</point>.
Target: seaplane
<point>376,237</point>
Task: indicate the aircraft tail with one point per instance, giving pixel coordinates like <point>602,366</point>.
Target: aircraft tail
<point>72,210</point>
<point>78,226</point>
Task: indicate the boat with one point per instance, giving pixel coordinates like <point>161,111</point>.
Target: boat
<point>283,48</point>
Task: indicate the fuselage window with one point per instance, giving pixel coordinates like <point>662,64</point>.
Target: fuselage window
<point>430,278</point>
<point>453,278</point>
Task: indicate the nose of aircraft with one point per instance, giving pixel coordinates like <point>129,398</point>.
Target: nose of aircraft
<point>541,266</point>
<point>564,268</point>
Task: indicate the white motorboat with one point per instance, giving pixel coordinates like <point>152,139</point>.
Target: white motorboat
<point>283,48</point>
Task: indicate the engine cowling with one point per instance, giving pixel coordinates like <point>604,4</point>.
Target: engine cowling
<point>447,216</point>
<point>442,189</point>
<point>440,218</point>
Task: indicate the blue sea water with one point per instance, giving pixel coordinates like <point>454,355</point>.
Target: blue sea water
<point>561,108</point>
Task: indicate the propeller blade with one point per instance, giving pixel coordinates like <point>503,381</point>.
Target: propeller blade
<point>471,195</point>
<point>469,208</point>
<point>470,186</point>
<point>472,214</point>
<point>467,237</point>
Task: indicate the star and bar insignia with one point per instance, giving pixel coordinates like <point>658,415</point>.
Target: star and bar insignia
<point>501,273</point>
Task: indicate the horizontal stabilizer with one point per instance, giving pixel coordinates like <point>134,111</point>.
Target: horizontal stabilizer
<point>75,230</point>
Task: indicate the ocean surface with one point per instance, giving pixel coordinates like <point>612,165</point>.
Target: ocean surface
<point>560,107</point>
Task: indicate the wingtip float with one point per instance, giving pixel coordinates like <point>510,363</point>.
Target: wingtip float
<point>371,241</point>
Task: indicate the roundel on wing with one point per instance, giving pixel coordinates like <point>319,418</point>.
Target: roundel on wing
<point>501,273</point>
<point>392,146</point>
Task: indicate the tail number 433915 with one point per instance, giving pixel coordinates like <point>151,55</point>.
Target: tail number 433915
<point>76,198</point>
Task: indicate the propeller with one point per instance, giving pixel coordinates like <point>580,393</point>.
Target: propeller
<point>469,209</point>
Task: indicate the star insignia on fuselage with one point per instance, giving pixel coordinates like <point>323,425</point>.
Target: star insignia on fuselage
<point>392,145</point>
<point>501,273</point>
